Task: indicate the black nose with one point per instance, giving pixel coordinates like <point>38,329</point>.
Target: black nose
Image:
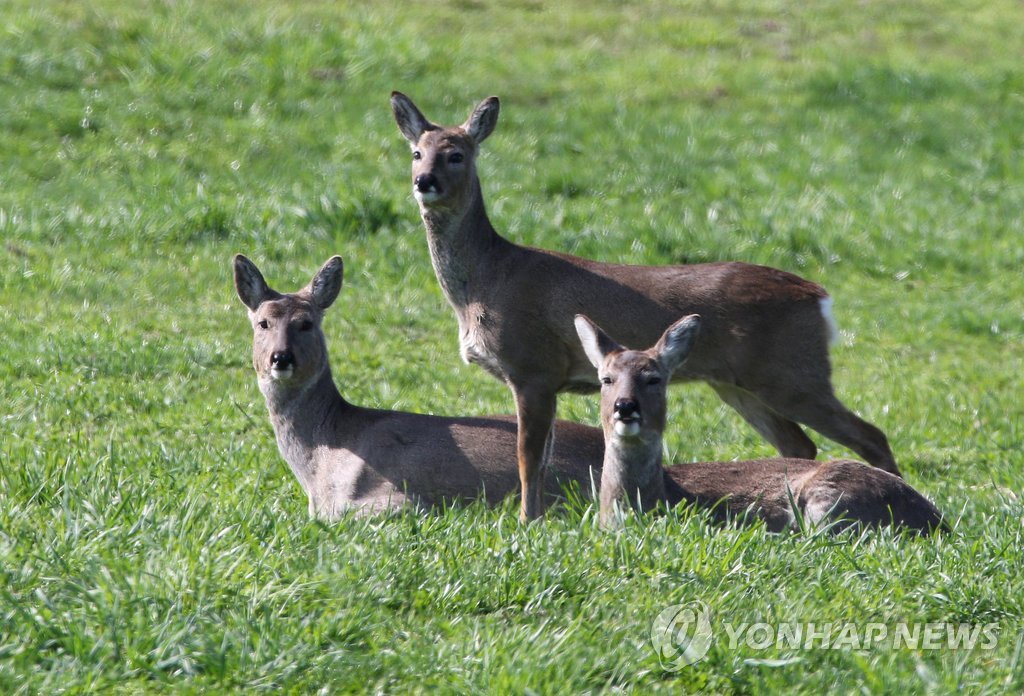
<point>282,360</point>
<point>626,407</point>
<point>426,182</point>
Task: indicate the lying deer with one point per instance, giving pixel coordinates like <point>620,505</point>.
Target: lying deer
<point>766,334</point>
<point>633,387</point>
<point>345,456</point>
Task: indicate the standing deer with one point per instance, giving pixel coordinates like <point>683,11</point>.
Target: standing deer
<point>766,332</point>
<point>345,456</point>
<point>633,401</point>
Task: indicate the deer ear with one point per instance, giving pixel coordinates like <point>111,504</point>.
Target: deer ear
<point>677,341</point>
<point>482,121</point>
<point>326,284</point>
<point>252,289</point>
<point>411,120</point>
<point>596,343</point>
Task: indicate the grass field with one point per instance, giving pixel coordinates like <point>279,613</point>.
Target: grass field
<point>151,538</point>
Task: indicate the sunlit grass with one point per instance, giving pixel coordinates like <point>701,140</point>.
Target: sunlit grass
<point>151,539</point>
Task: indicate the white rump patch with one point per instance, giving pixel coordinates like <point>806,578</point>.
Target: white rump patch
<point>830,321</point>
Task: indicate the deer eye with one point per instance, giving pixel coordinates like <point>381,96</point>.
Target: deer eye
<point>263,324</point>
<point>606,380</point>
<point>653,380</point>
<point>306,325</point>
<point>417,155</point>
<point>455,158</point>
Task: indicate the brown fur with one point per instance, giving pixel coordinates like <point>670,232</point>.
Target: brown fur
<point>764,346</point>
<point>345,456</point>
<point>779,491</point>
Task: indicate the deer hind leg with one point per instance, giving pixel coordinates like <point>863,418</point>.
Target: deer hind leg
<point>836,422</point>
<point>787,437</point>
<point>535,412</point>
<point>819,409</point>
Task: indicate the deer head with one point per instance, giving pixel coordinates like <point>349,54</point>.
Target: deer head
<point>289,350</point>
<point>444,159</point>
<point>634,382</point>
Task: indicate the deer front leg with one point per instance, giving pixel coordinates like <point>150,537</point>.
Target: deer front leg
<point>535,412</point>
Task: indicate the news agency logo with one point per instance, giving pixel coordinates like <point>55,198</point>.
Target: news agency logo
<point>682,634</point>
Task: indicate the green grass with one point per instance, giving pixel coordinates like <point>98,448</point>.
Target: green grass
<point>151,538</point>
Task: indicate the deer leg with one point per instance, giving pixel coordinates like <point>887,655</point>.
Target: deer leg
<point>787,437</point>
<point>827,415</point>
<point>535,412</point>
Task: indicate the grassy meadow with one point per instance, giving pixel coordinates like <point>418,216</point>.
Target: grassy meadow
<point>152,540</point>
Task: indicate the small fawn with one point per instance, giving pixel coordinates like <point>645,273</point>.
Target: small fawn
<point>633,406</point>
<point>345,456</point>
<point>764,345</point>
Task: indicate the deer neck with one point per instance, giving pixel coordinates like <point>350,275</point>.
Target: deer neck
<point>632,471</point>
<point>460,238</point>
<point>306,418</point>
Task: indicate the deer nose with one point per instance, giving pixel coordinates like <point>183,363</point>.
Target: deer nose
<point>626,408</point>
<point>282,360</point>
<point>426,182</point>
